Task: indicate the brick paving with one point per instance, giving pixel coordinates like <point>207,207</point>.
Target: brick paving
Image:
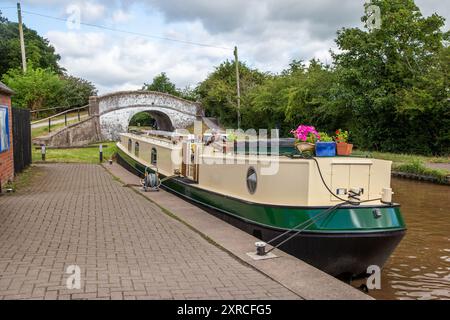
<point>125,246</point>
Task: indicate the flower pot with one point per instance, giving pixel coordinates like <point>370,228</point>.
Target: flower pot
<point>344,149</point>
<point>305,146</point>
<point>325,149</point>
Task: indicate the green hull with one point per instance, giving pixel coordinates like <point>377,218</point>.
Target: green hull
<point>343,220</point>
<point>344,243</point>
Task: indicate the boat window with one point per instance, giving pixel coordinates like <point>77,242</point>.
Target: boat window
<point>154,157</point>
<point>136,149</point>
<point>130,145</point>
<point>252,180</point>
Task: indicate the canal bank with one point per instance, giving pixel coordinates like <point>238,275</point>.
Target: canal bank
<point>292,273</point>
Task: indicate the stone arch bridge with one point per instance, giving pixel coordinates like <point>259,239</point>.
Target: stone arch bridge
<point>115,111</point>
<point>110,115</point>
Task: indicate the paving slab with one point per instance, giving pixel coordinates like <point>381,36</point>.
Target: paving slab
<point>300,277</point>
<point>125,246</point>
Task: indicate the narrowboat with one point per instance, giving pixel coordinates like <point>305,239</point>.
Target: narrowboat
<point>336,211</point>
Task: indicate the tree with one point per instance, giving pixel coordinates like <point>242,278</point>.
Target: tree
<point>391,81</point>
<point>143,119</point>
<point>36,89</point>
<point>189,93</point>
<point>162,83</point>
<point>217,92</point>
<point>299,94</point>
<point>39,52</point>
<point>76,91</point>
<point>42,88</point>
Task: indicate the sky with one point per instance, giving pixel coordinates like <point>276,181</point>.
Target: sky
<point>269,34</point>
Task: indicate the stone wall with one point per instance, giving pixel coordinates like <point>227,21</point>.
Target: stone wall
<point>78,134</point>
<point>7,157</point>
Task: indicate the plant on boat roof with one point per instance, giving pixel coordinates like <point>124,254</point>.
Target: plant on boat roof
<point>324,137</point>
<point>341,136</point>
<point>306,134</point>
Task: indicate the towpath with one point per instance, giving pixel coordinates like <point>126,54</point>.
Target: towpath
<point>125,246</point>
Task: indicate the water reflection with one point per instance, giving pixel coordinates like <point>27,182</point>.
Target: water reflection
<point>420,266</point>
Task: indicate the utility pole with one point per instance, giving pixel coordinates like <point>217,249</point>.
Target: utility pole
<point>22,42</point>
<point>236,60</point>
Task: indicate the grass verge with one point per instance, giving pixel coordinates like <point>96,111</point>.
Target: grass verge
<point>43,131</point>
<point>417,167</point>
<point>76,155</point>
<point>412,164</point>
<point>398,158</point>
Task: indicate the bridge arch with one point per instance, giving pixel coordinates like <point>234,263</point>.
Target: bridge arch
<point>116,110</point>
<point>161,119</point>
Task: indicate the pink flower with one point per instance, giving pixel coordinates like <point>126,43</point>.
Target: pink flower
<point>303,131</point>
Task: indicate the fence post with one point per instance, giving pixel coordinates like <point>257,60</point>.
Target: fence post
<point>65,119</point>
<point>49,124</point>
<point>101,152</point>
<point>43,152</point>
<point>79,115</point>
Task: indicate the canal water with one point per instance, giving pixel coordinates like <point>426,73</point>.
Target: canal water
<point>420,266</point>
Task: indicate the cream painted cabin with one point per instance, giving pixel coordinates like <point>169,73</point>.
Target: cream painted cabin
<point>280,180</point>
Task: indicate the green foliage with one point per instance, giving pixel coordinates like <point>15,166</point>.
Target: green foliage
<point>38,50</point>
<point>143,119</point>
<point>36,89</point>
<point>417,166</point>
<point>162,83</point>
<point>218,93</point>
<point>77,155</point>
<point>394,81</point>
<point>76,92</point>
<point>42,88</point>
<point>189,93</point>
<point>45,85</point>
<point>341,136</point>
<point>389,86</point>
<point>324,137</point>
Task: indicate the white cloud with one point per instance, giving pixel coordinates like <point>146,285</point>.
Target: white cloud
<point>120,16</point>
<point>269,34</point>
<point>126,62</point>
<point>91,11</point>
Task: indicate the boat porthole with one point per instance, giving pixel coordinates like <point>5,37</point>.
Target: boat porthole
<point>252,180</point>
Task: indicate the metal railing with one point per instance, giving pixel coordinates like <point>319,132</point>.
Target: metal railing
<point>35,113</point>
<point>49,119</point>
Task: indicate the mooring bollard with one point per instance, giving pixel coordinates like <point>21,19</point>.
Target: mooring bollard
<point>101,152</point>
<point>260,248</point>
<point>43,152</point>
